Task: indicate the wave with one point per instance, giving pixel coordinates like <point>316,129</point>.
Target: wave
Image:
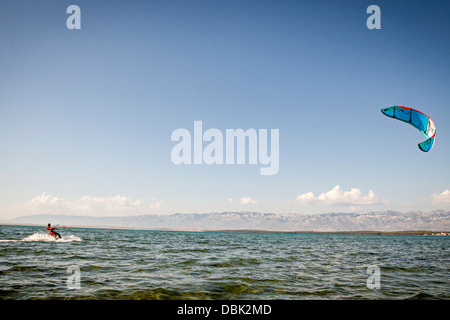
<point>45,237</point>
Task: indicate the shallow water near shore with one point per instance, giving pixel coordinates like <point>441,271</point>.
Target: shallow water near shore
<point>140,264</point>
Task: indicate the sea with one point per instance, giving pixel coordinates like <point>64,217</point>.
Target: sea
<point>110,264</point>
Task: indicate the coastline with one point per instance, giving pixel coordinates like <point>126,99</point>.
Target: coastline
<point>349,232</point>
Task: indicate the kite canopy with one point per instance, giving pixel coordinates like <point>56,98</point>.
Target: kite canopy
<point>418,120</point>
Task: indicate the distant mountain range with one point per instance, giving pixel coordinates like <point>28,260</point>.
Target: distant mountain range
<point>373,221</point>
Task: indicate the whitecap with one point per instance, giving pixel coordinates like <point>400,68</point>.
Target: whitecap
<point>40,236</point>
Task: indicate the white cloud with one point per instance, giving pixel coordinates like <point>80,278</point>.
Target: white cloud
<point>305,197</point>
<point>88,203</point>
<point>248,200</point>
<point>45,200</point>
<point>337,196</point>
<point>156,203</point>
<point>108,203</point>
<point>442,198</point>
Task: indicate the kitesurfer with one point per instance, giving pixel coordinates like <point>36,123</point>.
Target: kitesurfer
<point>51,231</point>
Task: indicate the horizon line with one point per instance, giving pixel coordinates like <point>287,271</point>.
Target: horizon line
<point>346,232</point>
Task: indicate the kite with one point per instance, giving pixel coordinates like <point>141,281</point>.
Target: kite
<point>417,119</point>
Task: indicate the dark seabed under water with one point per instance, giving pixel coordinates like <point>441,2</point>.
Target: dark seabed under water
<point>138,264</point>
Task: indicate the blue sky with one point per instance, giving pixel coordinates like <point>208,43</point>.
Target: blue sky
<point>86,115</point>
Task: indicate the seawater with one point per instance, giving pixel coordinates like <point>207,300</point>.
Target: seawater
<point>138,264</point>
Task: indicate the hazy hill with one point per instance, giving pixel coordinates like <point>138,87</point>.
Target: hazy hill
<point>379,221</point>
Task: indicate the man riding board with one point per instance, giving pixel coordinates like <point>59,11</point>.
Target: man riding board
<point>51,231</point>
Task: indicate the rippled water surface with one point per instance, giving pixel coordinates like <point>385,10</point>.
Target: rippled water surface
<point>136,264</point>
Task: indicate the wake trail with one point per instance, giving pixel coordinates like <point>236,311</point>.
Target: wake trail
<point>44,237</point>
